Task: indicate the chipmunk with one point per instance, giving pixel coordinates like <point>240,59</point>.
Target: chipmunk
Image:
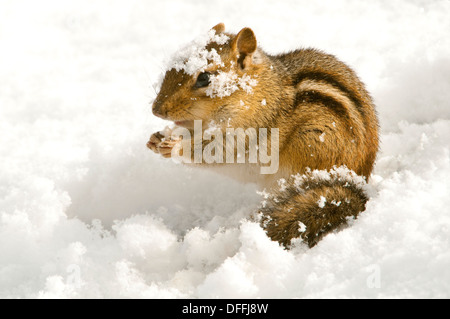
<point>326,122</point>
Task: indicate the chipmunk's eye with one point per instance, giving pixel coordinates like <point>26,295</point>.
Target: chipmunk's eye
<point>202,80</point>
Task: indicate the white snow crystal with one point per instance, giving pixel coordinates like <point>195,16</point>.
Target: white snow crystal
<point>222,84</point>
<point>321,202</point>
<point>283,184</point>
<point>247,83</point>
<point>264,194</point>
<point>333,202</point>
<point>301,227</point>
<point>226,83</point>
<point>322,137</point>
<point>241,103</point>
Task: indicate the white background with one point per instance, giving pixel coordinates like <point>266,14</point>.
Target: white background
<point>87,211</point>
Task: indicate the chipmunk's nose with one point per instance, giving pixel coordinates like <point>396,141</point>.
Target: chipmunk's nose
<point>158,109</point>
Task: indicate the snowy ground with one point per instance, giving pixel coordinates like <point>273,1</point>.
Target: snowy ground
<point>87,211</point>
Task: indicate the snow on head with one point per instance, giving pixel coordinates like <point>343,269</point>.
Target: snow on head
<point>195,57</point>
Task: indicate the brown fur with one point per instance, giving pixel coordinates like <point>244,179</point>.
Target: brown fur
<point>283,212</point>
<point>325,118</point>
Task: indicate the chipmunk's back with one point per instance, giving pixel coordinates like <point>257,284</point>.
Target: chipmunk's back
<point>332,113</point>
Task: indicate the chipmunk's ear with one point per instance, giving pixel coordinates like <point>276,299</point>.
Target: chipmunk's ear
<point>220,28</point>
<point>245,45</point>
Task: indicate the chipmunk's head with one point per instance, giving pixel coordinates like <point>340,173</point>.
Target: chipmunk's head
<point>213,79</point>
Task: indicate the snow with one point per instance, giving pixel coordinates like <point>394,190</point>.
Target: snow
<point>301,227</point>
<point>322,137</point>
<point>193,58</point>
<point>226,83</point>
<point>86,211</point>
<point>321,202</point>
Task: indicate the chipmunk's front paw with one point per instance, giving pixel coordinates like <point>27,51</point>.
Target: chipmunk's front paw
<point>163,144</point>
<point>154,141</point>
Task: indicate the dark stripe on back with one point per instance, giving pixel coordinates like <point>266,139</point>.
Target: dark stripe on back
<point>316,97</point>
<point>325,77</point>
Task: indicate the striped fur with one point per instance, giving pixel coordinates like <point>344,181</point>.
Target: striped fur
<point>329,99</point>
<point>312,208</point>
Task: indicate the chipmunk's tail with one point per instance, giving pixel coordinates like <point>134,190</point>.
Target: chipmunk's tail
<point>312,205</point>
